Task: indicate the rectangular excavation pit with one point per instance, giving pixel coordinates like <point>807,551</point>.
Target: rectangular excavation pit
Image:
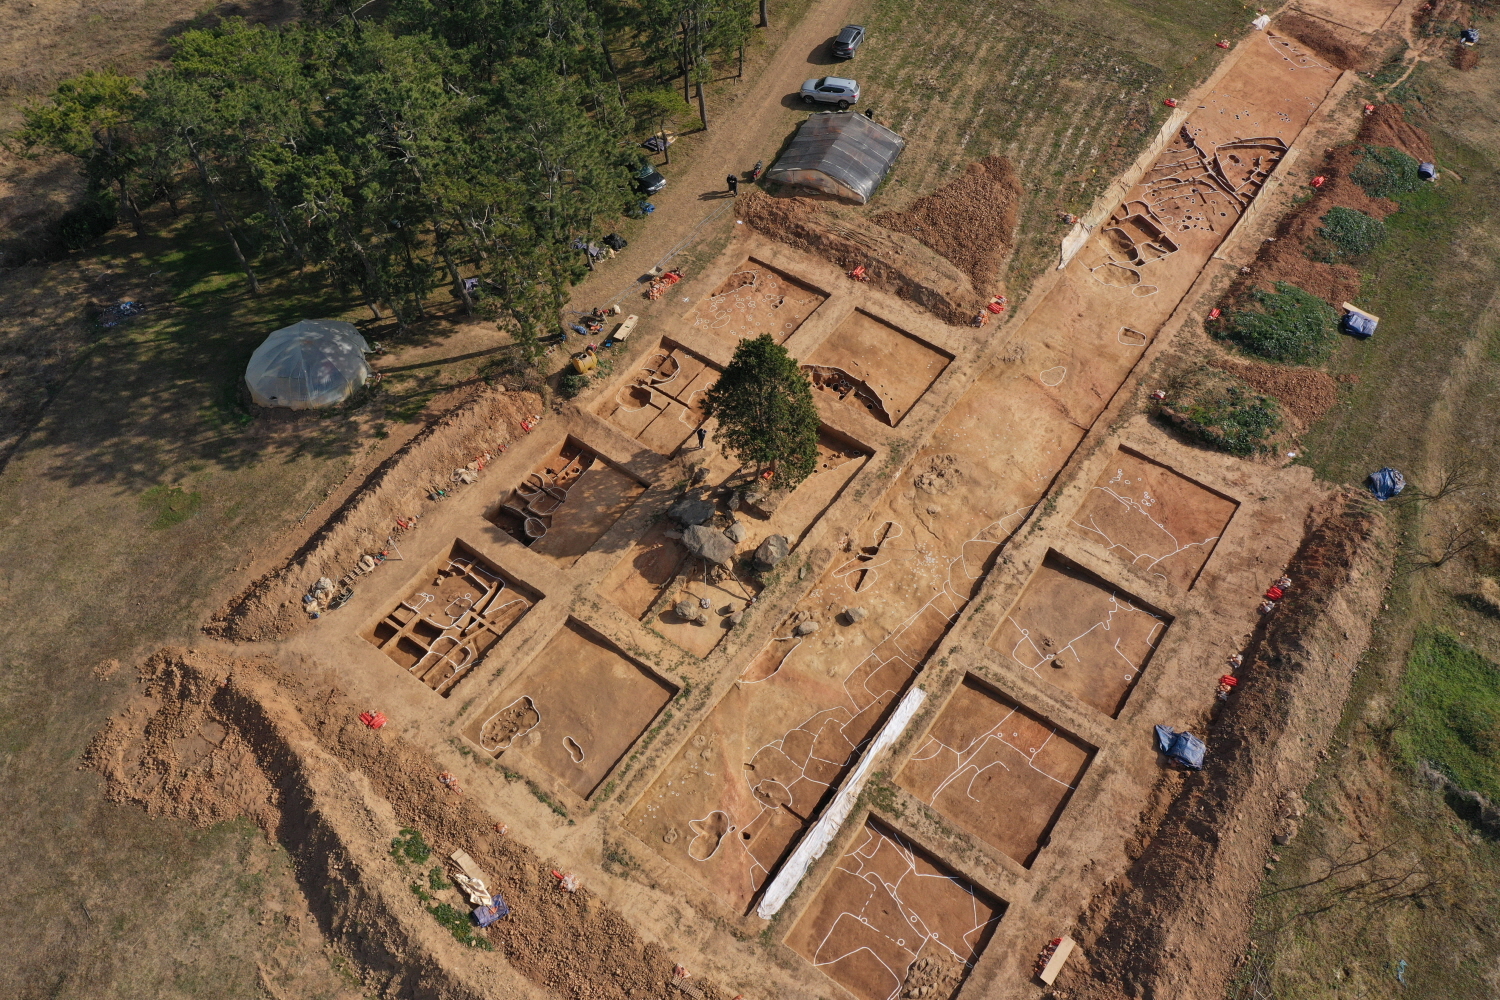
<point>460,605</point>
<point>567,503</point>
<point>659,407</point>
<point>758,299</point>
<point>869,363</point>
<point>575,710</point>
<point>658,573</point>
<point>1077,632</point>
<point>999,770</point>
<point>1154,518</point>
<point>734,799</point>
<point>892,921</point>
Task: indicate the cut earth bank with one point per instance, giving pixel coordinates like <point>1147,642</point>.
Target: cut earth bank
<point>1036,575</point>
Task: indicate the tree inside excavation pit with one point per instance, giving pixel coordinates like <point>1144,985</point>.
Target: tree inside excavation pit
<point>765,409</point>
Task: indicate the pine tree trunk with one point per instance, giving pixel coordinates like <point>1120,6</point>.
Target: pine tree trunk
<point>213,196</point>
<point>765,22</point>
<point>131,210</point>
<point>702,108</point>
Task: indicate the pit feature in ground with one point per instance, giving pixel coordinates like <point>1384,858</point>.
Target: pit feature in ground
<point>892,921</point>
<point>1080,633</point>
<point>660,406</point>
<point>758,299</point>
<point>999,770</point>
<point>567,503</point>
<point>1154,518</point>
<point>576,709</point>
<point>458,608</point>
<point>872,364</point>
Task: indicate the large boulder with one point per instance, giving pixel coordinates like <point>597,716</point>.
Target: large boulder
<point>709,543</point>
<point>772,551</point>
<point>690,511</point>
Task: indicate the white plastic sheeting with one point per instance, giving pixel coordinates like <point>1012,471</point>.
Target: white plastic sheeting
<point>317,362</point>
<point>816,840</point>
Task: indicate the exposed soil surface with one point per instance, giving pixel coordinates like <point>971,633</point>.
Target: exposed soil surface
<point>1154,518</point>
<point>398,488</point>
<point>1175,924</point>
<point>899,264</point>
<point>971,221</point>
<point>1306,392</point>
<point>1286,259</point>
<point>1334,47</point>
<point>879,359</point>
<point>212,738</point>
<point>1001,770</point>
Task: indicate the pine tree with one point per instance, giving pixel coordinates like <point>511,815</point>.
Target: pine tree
<point>765,409</point>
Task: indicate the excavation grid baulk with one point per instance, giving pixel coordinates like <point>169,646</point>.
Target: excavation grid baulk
<point>575,709</point>
<point>757,299</point>
<point>661,406</point>
<point>459,607</point>
<point>1154,518</point>
<point>872,364</point>
<point>892,921</point>
<point>567,503</point>
<point>1002,771</point>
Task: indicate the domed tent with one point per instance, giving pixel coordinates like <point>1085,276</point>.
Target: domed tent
<point>839,153</point>
<point>317,362</point>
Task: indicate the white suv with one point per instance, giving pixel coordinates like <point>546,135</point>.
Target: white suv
<point>831,90</point>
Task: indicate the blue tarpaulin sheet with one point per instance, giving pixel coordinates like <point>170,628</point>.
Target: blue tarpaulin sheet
<point>486,915</point>
<point>1386,483</point>
<point>1359,325</point>
<point>1185,748</point>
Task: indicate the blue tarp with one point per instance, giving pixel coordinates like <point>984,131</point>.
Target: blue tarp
<point>486,915</point>
<point>1386,483</point>
<point>1185,748</point>
<point>1358,325</point>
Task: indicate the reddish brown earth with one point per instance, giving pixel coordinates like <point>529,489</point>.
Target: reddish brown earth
<point>971,221</point>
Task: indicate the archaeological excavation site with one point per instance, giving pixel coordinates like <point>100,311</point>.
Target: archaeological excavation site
<point>894,732</point>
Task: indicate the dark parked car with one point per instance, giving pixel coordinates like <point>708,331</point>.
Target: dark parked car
<point>848,41</point>
<point>648,180</point>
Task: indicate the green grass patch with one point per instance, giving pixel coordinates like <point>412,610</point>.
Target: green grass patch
<point>1349,233</point>
<point>1450,708</point>
<point>1385,172</point>
<point>170,505</point>
<point>460,925</point>
<point>409,845</point>
<point>1223,412</point>
<point>1288,325</point>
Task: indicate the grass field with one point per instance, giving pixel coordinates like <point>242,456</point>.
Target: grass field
<point>1418,918</point>
<point>1069,91</point>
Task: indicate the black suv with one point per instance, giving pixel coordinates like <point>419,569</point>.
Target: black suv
<point>848,41</point>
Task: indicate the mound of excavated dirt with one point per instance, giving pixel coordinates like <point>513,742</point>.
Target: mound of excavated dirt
<point>272,606</point>
<point>893,261</point>
<point>1333,48</point>
<point>213,738</point>
<point>1175,925</point>
<point>1307,393</point>
<point>970,221</point>
<point>1286,258</point>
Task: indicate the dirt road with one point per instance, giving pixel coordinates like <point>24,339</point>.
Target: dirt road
<point>742,130</point>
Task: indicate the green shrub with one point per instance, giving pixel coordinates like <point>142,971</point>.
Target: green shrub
<point>1450,708</point>
<point>1351,233</point>
<point>409,844</point>
<point>1385,172</point>
<point>1224,412</point>
<point>435,880</point>
<point>1289,325</point>
<point>571,384</point>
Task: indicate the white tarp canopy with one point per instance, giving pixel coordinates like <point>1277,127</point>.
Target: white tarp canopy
<point>317,362</point>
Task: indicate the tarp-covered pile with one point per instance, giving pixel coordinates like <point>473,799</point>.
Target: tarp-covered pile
<point>839,153</point>
<point>317,362</point>
<point>1185,748</point>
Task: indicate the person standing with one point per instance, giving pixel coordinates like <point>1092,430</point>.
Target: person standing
<point>734,185</point>
<point>702,437</point>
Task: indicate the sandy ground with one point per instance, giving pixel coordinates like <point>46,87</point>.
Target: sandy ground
<point>998,517</point>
